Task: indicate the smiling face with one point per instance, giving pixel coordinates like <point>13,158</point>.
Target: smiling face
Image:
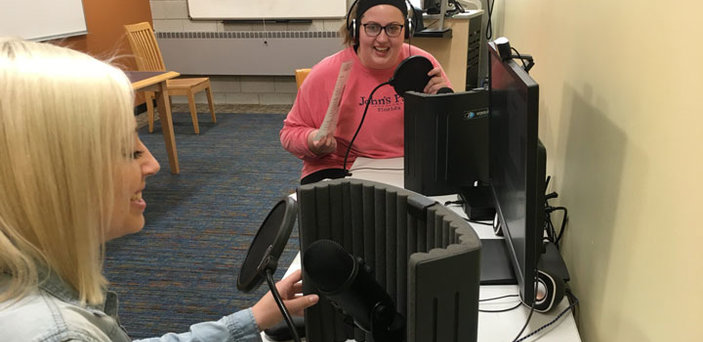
<point>128,208</point>
<point>381,52</point>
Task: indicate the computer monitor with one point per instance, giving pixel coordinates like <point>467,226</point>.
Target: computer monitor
<point>446,141</point>
<point>517,167</point>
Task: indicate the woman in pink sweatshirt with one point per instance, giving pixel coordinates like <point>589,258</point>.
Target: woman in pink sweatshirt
<point>374,37</point>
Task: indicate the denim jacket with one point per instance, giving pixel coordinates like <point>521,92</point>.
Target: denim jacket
<point>54,313</point>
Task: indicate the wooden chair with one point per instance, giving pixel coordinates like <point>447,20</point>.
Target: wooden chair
<point>300,75</point>
<point>148,56</point>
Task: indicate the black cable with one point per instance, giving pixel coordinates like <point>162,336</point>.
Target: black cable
<point>281,306</point>
<point>499,297</point>
<point>532,310</point>
<point>502,310</point>
<point>546,325</point>
<point>489,28</point>
<point>360,123</point>
<point>523,58</point>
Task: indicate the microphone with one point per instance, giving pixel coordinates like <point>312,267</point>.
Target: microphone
<point>348,283</point>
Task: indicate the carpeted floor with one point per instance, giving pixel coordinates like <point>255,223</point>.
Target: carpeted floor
<point>182,268</point>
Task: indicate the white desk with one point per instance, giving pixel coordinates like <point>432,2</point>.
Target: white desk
<point>499,327</point>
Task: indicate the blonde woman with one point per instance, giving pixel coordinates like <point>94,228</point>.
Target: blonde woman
<point>72,172</point>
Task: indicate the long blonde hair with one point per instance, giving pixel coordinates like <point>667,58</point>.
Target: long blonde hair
<point>65,120</point>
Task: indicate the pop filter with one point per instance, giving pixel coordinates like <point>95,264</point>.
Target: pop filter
<point>262,258</point>
<point>411,74</point>
<point>267,245</point>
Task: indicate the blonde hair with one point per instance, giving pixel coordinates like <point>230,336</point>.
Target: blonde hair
<point>65,120</point>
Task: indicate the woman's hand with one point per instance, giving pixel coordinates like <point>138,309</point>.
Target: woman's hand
<point>266,312</point>
<point>325,145</point>
<point>436,81</point>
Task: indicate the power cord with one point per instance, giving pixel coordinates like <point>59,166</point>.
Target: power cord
<point>500,310</point>
<point>489,28</point>
<point>553,235</point>
<point>571,306</point>
<point>523,58</point>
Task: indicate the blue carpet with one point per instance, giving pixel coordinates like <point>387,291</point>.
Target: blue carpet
<point>182,268</point>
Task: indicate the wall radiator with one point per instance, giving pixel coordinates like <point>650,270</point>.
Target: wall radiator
<point>245,53</point>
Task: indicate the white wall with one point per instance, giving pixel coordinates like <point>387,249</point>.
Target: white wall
<point>621,84</point>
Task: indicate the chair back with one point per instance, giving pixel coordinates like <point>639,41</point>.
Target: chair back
<point>144,47</point>
<point>300,75</point>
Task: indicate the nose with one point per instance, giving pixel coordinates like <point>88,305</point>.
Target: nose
<point>150,166</point>
<point>382,36</point>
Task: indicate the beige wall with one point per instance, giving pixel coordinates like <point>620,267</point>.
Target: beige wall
<point>621,110</point>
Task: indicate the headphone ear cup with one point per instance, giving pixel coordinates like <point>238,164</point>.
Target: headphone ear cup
<point>409,28</point>
<point>353,29</point>
<point>550,291</point>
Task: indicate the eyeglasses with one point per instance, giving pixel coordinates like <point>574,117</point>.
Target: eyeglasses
<point>374,29</point>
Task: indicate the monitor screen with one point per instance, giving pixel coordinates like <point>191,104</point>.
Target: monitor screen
<point>446,141</point>
<point>517,167</point>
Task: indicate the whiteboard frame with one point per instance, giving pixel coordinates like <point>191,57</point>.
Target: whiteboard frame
<point>266,9</point>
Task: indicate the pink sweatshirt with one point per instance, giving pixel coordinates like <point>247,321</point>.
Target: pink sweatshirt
<point>381,135</point>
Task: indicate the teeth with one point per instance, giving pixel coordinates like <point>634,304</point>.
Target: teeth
<point>382,49</point>
<point>136,197</point>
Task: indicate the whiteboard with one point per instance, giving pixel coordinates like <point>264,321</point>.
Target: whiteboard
<point>42,19</point>
<point>266,9</point>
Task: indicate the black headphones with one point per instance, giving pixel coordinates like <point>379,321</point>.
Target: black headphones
<point>353,27</point>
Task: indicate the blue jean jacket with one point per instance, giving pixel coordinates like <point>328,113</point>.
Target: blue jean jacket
<point>53,313</point>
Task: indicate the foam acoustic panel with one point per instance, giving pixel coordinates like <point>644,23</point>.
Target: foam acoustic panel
<point>424,255</point>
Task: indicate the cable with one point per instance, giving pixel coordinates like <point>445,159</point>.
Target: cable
<point>546,325</point>
<point>502,310</point>
<point>499,297</point>
<point>532,310</point>
<point>523,58</point>
<point>489,28</point>
<point>346,155</point>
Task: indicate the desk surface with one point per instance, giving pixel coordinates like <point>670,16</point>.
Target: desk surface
<point>502,326</point>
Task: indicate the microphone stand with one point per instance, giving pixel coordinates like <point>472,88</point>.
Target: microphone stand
<point>268,265</point>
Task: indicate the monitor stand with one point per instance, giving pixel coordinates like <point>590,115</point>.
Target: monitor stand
<point>496,268</point>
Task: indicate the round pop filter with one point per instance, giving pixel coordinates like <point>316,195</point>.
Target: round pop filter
<point>267,245</point>
<point>411,74</point>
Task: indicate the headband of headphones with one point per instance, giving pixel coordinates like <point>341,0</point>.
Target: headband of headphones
<point>364,5</point>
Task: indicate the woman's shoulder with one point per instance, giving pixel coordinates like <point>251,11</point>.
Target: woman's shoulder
<point>39,316</point>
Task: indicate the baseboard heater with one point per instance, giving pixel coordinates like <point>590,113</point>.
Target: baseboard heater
<point>246,52</point>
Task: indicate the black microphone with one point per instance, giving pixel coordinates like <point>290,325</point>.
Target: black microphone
<point>348,283</point>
